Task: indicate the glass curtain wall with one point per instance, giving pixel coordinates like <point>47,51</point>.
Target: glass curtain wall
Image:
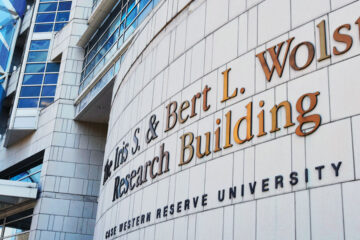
<point>108,76</point>
<point>40,77</point>
<point>52,15</point>
<point>113,32</point>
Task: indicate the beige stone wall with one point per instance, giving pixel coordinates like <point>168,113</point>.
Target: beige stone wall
<point>192,50</point>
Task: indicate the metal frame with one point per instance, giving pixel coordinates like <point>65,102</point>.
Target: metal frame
<point>121,39</point>
<point>56,13</point>
<point>43,77</point>
<point>5,223</point>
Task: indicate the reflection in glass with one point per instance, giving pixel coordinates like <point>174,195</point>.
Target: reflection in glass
<point>22,236</point>
<point>30,91</point>
<point>48,91</point>
<point>64,6</point>
<point>43,27</point>
<point>59,26</point>
<point>45,17</point>
<point>62,16</point>
<point>39,44</point>
<point>47,7</point>
<point>28,103</point>
<point>51,78</point>
<point>53,67</point>
<point>124,19</point>
<point>17,226</point>
<point>35,68</point>
<point>32,79</point>
<point>30,175</point>
<point>44,102</point>
<point>55,13</point>
<point>37,57</point>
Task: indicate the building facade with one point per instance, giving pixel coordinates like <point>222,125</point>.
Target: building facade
<point>183,119</point>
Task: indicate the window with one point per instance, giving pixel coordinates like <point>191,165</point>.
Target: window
<point>40,56</point>
<point>45,17</point>
<point>32,174</point>
<point>108,76</point>
<point>52,15</point>
<point>39,45</point>
<point>35,68</point>
<point>111,35</point>
<point>16,226</point>
<point>40,78</point>
<point>28,170</point>
<point>32,79</point>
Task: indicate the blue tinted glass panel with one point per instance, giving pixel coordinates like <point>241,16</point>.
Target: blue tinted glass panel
<point>130,30</point>
<point>43,27</point>
<point>37,57</point>
<point>45,17</point>
<point>40,45</point>
<point>35,68</point>
<point>31,175</point>
<point>28,102</point>
<point>44,102</point>
<point>143,3</point>
<point>27,179</point>
<point>32,79</point>
<point>35,178</point>
<point>62,16</point>
<point>47,7</point>
<point>132,13</point>
<point>131,17</point>
<point>144,13</point>
<point>131,5</point>
<point>51,79</point>
<point>121,41</point>
<point>64,6</point>
<point>114,25</point>
<point>35,169</point>
<point>48,91</point>
<point>30,91</point>
<point>59,26</point>
<point>53,67</point>
<point>19,176</point>
<point>111,41</point>
<point>123,14</point>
